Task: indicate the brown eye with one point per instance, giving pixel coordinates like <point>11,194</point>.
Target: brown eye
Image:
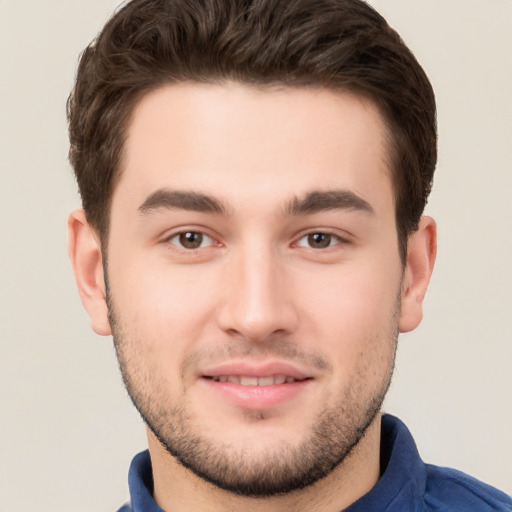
<point>319,240</point>
<point>191,240</point>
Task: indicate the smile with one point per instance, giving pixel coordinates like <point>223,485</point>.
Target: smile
<point>255,381</point>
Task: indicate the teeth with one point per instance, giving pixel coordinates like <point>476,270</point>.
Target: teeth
<point>265,381</point>
<point>249,381</point>
<point>254,381</point>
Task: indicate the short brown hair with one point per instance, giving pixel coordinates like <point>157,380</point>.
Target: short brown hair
<point>337,44</point>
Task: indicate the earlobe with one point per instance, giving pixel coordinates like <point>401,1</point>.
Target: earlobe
<point>421,255</point>
<point>86,258</point>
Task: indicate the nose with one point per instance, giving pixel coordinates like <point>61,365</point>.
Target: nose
<point>258,301</point>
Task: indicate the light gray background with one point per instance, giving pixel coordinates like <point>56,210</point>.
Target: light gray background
<point>67,429</point>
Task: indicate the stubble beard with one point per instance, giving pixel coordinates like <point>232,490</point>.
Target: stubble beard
<point>336,432</point>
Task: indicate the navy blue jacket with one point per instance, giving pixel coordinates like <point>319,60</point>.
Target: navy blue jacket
<point>407,484</point>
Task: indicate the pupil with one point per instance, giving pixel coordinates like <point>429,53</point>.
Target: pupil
<point>191,240</point>
<point>319,240</point>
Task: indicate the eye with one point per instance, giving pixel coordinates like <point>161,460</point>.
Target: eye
<point>191,240</point>
<point>318,240</point>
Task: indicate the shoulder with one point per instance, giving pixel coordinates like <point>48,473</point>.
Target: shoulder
<point>450,490</point>
<point>125,508</point>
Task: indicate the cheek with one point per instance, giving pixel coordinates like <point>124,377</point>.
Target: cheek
<point>354,311</point>
<point>162,304</point>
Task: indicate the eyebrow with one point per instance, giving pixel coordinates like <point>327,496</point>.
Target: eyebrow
<point>313,202</point>
<point>319,201</point>
<point>182,200</point>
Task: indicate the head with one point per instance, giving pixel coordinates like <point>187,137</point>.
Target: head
<point>253,176</point>
<point>341,45</point>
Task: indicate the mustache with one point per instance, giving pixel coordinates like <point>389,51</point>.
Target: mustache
<point>251,351</point>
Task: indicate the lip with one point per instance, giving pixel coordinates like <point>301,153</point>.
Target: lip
<point>267,369</point>
<point>256,397</point>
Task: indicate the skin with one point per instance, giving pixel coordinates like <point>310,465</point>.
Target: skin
<point>259,290</point>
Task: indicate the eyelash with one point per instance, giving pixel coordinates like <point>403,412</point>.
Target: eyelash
<point>180,239</point>
<point>331,237</point>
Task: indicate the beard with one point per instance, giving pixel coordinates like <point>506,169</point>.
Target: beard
<point>243,470</point>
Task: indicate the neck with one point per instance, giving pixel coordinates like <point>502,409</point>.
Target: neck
<point>178,489</point>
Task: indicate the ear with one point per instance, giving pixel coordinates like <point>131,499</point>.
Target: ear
<point>421,255</point>
<point>85,254</point>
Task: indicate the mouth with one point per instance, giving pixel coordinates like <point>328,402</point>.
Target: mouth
<point>245,380</point>
<point>256,386</point>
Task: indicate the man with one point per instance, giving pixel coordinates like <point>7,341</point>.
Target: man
<point>253,177</point>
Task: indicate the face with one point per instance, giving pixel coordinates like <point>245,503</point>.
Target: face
<point>254,278</point>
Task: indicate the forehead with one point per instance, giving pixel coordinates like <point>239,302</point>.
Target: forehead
<point>244,143</point>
